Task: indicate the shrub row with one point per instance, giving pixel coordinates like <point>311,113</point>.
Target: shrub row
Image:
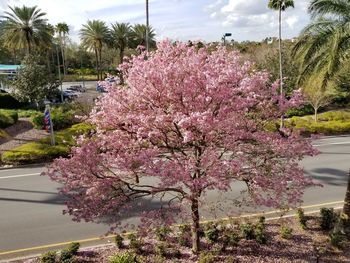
<point>8,118</point>
<point>42,151</point>
<point>62,117</point>
<point>68,255</point>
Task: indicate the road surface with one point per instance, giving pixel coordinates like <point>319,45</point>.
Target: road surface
<point>31,209</point>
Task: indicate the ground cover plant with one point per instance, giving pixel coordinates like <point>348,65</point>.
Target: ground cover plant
<point>42,150</point>
<point>7,118</point>
<point>193,120</point>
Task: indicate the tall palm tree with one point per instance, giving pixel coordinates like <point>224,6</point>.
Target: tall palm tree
<point>325,43</point>
<point>121,36</point>
<point>94,35</point>
<point>139,35</point>
<point>280,5</point>
<point>24,28</point>
<point>62,29</point>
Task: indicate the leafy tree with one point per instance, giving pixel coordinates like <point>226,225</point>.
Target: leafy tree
<point>62,29</point>
<point>190,121</point>
<point>139,35</point>
<point>324,43</point>
<point>316,96</point>
<point>121,37</point>
<point>24,28</point>
<point>34,82</point>
<point>94,35</point>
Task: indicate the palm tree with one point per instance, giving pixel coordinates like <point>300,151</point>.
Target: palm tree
<point>121,36</point>
<point>94,35</point>
<point>324,43</point>
<point>62,29</point>
<point>139,35</point>
<point>280,5</point>
<point>24,28</point>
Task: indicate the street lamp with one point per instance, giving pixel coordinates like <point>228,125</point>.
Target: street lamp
<point>147,26</point>
<point>224,37</point>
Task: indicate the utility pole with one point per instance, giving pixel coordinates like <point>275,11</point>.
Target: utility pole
<point>147,27</point>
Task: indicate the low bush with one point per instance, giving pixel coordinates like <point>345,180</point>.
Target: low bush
<point>206,257</point>
<point>162,233</point>
<point>301,218</point>
<point>3,134</point>
<point>302,111</point>
<point>247,231</point>
<point>230,239</point>
<point>286,232</point>
<point>27,113</point>
<point>8,118</point>
<point>135,243</point>
<point>260,232</point>
<point>42,151</point>
<point>48,257</point>
<point>337,239</point>
<point>126,257</point>
<point>9,102</point>
<point>184,237</point>
<point>327,218</point>
<point>61,117</point>
<point>161,249</point>
<point>212,234</point>
<point>118,239</point>
<point>68,254</point>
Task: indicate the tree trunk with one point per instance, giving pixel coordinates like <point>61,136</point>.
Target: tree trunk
<point>100,61</point>
<point>280,54</point>
<point>346,209</point>
<point>121,56</point>
<point>96,56</point>
<point>195,226</point>
<point>29,48</point>
<point>316,111</point>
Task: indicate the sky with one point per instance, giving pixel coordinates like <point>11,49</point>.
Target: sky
<point>204,20</point>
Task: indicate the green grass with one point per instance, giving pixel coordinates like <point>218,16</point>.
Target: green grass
<point>42,151</point>
<point>8,118</point>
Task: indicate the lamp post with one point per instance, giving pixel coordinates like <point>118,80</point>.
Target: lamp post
<point>224,37</point>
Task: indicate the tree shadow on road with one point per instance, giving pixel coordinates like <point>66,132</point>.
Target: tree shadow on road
<point>329,176</point>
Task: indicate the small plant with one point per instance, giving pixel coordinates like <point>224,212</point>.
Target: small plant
<point>161,249</point>
<point>261,220</point>
<point>248,231</point>
<point>126,257</point>
<point>286,232</point>
<point>230,239</point>
<point>260,233</point>
<point>135,243</point>
<point>212,235</point>
<point>68,254</point>
<point>162,233</point>
<point>206,258</point>
<point>302,218</point>
<point>49,257</point>
<point>184,237</point>
<point>327,218</point>
<point>337,238</point>
<point>119,241</point>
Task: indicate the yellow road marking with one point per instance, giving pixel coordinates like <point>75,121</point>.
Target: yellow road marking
<point>111,236</point>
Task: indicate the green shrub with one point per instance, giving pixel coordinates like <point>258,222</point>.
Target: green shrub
<point>8,118</point>
<point>230,239</point>
<point>42,150</point>
<point>184,237</point>
<point>337,239</point>
<point>68,254</point>
<point>9,102</point>
<point>301,218</point>
<point>126,257</point>
<point>3,134</point>
<point>162,233</point>
<point>260,233</point>
<point>206,257</point>
<point>161,249</point>
<point>212,234</point>
<point>305,110</point>
<point>61,117</point>
<point>248,231</point>
<point>49,257</point>
<point>286,232</point>
<point>135,243</point>
<point>27,113</point>
<point>327,218</point>
<point>118,239</point>
<point>334,116</point>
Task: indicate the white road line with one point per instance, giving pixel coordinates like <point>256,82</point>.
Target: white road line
<point>20,175</point>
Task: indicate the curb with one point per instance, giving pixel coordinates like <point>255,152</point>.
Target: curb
<point>10,167</point>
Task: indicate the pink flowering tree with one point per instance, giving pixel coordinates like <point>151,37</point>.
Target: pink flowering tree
<point>189,121</point>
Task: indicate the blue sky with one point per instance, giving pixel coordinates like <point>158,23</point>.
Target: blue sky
<point>205,20</point>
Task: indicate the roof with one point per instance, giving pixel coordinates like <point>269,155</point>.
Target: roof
<point>4,67</point>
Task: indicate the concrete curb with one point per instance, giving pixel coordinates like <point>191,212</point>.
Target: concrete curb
<point>10,167</point>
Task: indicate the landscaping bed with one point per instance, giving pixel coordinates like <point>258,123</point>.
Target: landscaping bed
<point>278,240</point>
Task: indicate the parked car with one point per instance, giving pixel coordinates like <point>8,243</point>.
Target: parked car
<point>78,88</point>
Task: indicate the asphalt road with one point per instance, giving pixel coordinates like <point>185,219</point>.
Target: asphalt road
<point>31,209</point>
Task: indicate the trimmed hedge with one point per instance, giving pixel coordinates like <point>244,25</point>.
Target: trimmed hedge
<point>8,118</point>
<point>62,117</point>
<point>9,102</point>
<point>305,110</point>
<point>329,123</point>
<point>42,151</point>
